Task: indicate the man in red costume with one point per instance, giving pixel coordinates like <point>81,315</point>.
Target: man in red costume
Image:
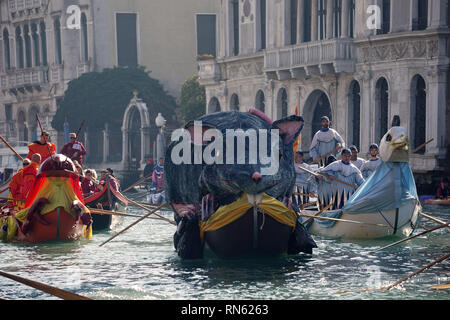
<point>74,149</point>
<point>30,172</point>
<point>43,147</point>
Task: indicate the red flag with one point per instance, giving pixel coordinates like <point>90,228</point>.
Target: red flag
<point>298,142</point>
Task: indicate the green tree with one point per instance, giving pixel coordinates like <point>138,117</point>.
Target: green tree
<point>102,97</point>
<point>193,99</point>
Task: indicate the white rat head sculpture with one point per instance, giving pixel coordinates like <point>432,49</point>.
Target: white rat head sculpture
<point>394,145</point>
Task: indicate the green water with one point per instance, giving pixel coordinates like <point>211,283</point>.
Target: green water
<point>142,264</point>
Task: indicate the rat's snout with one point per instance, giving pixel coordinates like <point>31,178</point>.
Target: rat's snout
<point>257,177</point>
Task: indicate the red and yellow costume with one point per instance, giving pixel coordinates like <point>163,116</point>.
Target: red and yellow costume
<point>29,176</point>
<point>16,187</point>
<point>41,148</point>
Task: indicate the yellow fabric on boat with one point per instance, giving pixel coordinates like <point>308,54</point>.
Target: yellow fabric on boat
<point>11,228</point>
<point>233,211</point>
<point>87,233</point>
<point>60,193</point>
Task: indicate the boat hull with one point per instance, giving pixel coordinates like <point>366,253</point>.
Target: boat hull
<point>438,201</point>
<point>400,222</point>
<point>238,238</point>
<point>62,226</point>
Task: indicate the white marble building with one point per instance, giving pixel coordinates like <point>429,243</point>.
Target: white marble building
<point>322,56</point>
<point>40,53</point>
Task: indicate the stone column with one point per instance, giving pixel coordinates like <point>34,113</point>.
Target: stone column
<point>87,145</point>
<point>330,13</point>
<point>437,14</point>
<point>125,148</point>
<point>314,20</point>
<point>106,143</point>
<point>300,22</point>
<point>345,19</point>
<point>367,112</point>
<point>436,105</point>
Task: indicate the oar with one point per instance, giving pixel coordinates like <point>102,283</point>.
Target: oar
<point>148,209</point>
<point>445,257</point>
<point>314,174</point>
<point>63,294</point>
<point>441,287</point>
<point>136,183</point>
<point>433,219</point>
<point>121,214</point>
<point>412,237</point>
<point>133,224</point>
<point>12,149</point>
<point>326,156</point>
<point>319,213</point>
<point>343,220</point>
<point>329,176</point>
<point>79,130</point>
<point>422,146</point>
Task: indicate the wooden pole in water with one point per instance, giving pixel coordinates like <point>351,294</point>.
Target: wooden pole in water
<point>318,213</point>
<point>433,219</point>
<point>121,214</point>
<point>63,294</point>
<point>134,223</point>
<point>148,209</point>
<point>445,257</point>
<point>412,237</point>
<point>136,183</point>
<point>343,220</point>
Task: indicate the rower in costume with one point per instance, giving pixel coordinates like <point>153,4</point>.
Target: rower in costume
<point>357,161</point>
<point>335,192</point>
<point>372,164</point>
<point>326,142</point>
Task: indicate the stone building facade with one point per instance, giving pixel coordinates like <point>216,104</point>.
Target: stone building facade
<point>359,62</point>
<point>41,52</point>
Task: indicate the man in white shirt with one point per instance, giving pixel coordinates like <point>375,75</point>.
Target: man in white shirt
<point>358,162</point>
<point>326,142</point>
<point>372,164</point>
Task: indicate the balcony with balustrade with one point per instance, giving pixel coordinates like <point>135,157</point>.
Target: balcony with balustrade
<point>209,71</point>
<point>24,80</point>
<point>304,60</point>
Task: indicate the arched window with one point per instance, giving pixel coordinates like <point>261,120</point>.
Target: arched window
<point>6,49</point>
<point>386,18</point>
<point>26,34</point>
<point>354,113</point>
<point>293,16</point>
<point>351,18</point>
<point>337,17</point>
<point>282,103</point>
<point>260,103</point>
<point>381,108</point>
<point>234,102</point>
<point>235,8</point>
<point>22,128</point>
<point>19,48</point>
<point>84,38</point>
<point>418,112</point>
<point>214,105</point>
<point>43,43</point>
<point>35,37</point>
<point>322,18</point>
<point>58,46</point>
<point>420,18</point>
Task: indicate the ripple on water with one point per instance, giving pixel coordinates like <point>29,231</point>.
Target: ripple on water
<point>142,264</point>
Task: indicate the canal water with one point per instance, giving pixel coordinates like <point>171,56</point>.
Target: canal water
<point>142,264</point>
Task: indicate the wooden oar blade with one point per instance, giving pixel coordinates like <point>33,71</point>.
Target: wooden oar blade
<point>60,293</point>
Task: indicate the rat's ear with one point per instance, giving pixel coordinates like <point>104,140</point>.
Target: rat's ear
<point>289,128</point>
<point>197,131</point>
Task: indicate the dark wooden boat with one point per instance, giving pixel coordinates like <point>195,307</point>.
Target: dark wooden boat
<point>246,235</point>
<point>107,199</point>
<point>63,226</point>
<point>438,201</point>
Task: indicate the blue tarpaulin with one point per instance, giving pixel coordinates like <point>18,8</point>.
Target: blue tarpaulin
<point>389,187</point>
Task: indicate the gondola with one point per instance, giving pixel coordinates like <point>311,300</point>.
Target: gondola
<point>53,208</point>
<point>386,204</point>
<point>107,199</point>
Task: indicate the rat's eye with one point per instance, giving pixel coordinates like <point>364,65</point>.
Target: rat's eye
<point>389,138</point>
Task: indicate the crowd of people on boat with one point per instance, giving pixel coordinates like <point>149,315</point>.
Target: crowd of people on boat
<point>326,147</point>
<point>23,180</point>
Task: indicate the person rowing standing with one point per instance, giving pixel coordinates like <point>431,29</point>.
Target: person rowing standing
<point>45,148</point>
<point>326,142</point>
<point>74,149</point>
